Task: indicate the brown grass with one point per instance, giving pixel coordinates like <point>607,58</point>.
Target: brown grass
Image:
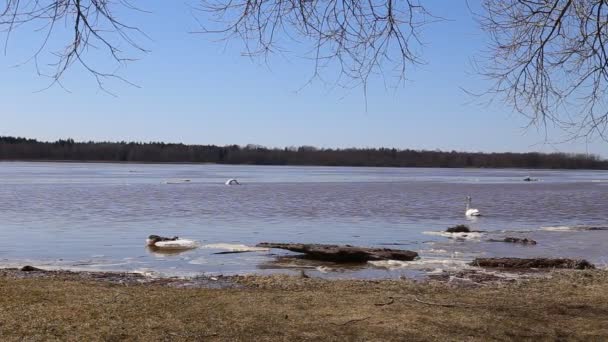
<point>571,305</point>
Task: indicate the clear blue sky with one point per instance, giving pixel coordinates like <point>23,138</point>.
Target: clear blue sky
<point>193,90</point>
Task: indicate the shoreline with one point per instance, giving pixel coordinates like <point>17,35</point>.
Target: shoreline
<point>71,161</point>
<point>466,277</point>
<point>59,305</point>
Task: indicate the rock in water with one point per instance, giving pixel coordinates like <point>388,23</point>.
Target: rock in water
<point>461,228</point>
<point>28,268</point>
<point>343,253</point>
<point>520,240</point>
<point>533,263</point>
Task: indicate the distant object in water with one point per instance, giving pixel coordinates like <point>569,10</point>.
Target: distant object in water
<point>530,179</point>
<point>468,211</point>
<point>232,181</point>
<point>178,181</point>
<point>173,243</point>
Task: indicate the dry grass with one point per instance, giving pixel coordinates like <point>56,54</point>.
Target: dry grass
<point>571,305</point>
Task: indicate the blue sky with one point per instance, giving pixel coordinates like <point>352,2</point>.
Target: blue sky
<point>194,90</point>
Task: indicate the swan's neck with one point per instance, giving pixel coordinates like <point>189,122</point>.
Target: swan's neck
<point>468,205</point>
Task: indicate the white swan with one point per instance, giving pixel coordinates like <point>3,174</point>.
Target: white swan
<point>232,181</point>
<point>468,211</point>
<point>173,243</point>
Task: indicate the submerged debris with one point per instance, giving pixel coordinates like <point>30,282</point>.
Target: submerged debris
<point>578,264</point>
<point>343,253</point>
<point>508,239</point>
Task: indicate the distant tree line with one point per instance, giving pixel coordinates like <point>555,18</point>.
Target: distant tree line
<point>13,148</point>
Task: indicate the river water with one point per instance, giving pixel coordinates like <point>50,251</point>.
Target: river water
<point>96,216</point>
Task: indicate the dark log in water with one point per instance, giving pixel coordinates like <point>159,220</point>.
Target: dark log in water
<point>343,253</point>
<point>533,263</point>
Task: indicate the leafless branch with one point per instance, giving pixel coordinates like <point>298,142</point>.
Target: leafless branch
<point>548,60</point>
<point>89,24</point>
<point>359,37</point>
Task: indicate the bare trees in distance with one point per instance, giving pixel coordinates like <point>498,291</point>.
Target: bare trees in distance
<point>547,58</point>
<point>84,28</point>
<point>12,148</point>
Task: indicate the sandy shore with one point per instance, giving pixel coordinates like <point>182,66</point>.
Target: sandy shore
<point>564,305</point>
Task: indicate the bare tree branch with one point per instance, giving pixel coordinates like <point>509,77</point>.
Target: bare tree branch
<point>94,26</point>
<point>360,37</point>
<point>548,60</point>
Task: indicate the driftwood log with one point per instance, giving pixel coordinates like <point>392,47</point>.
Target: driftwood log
<point>533,263</point>
<point>343,253</point>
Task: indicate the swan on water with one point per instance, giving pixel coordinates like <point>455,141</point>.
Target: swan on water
<point>471,211</point>
<point>161,242</point>
<point>232,181</point>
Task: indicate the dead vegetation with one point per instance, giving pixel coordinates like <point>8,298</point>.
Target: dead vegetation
<point>533,263</point>
<point>567,305</point>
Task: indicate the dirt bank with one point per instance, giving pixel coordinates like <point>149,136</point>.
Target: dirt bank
<point>81,306</point>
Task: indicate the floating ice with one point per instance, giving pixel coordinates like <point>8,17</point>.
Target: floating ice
<point>573,228</point>
<point>236,247</point>
<point>475,236</point>
<point>422,264</point>
<point>557,229</point>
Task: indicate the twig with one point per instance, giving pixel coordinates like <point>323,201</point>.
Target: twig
<point>447,305</point>
<point>353,320</point>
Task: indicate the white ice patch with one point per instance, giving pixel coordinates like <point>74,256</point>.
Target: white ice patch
<point>573,228</point>
<point>558,229</point>
<point>236,247</point>
<point>436,271</point>
<point>146,272</point>
<point>177,244</point>
<point>603,265</point>
<point>432,265</point>
<point>323,269</point>
<point>434,251</point>
<point>389,264</point>
<point>474,236</point>
<point>198,261</point>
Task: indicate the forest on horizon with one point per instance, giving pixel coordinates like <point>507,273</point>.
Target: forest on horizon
<point>16,148</point>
